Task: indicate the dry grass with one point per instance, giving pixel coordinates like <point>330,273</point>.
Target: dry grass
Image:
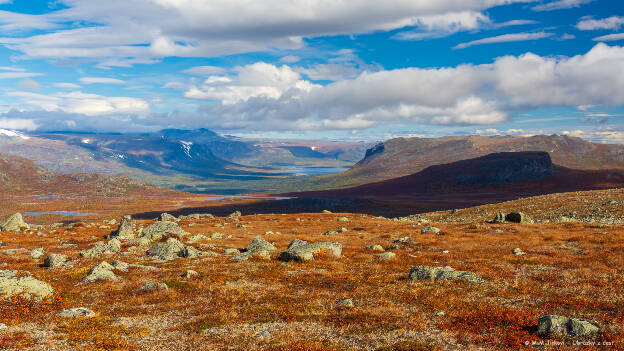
<point>572,269</point>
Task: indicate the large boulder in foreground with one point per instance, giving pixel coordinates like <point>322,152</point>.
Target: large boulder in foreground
<point>125,230</point>
<point>12,284</point>
<point>302,251</point>
<point>434,274</point>
<point>560,326</point>
<point>14,223</point>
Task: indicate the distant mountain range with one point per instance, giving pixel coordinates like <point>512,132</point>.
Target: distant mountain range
<point>404,156</point>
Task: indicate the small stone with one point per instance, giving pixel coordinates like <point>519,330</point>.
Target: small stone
<point>331,232</point>
<point>216,235</point>
<point>77,312</point>
<point>190,274</point>
<point>231,251</point>
<point>196,238</point>
<point>560,326</point>
<point>189,252</point>
<point>386,255</point>
<point>345,303</point>
<point>518,251</point>
<point>326,211</point>
<point>343,219</point>
<point>37,253</point>
<point>433,274</point>
<point>342,230</point>
<point>153,287</point>
<point>54,260</point>
<point>3,327</point>
<point>377,248</point>
<point>430,229</point>
<point>440,313</point>
<point>403,240</point>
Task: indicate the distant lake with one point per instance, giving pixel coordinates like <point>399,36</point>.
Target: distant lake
<point>62,213</point>
<point>314,170</point>
<point>215,198</point>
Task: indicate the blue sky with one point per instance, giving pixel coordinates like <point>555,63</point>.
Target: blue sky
<point>358,70</point>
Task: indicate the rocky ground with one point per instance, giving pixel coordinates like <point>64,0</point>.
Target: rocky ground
<point>451,280</point>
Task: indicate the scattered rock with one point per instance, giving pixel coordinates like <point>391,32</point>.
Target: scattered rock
<point>386,255</point>
<point>559,326</point>
<point>77,312</point>
<point>37,253</point>
<point>189,274</point>
<point>3,327</point>
<point>342,230</point>
<point>517,251</point>
<point>404,240</point>
<point>326,211</point>
<point>518,217</point>
<point>12,283</point>
<point>216,235</point>
<point>54,260</point>
<point>231,251</point>
<point>345,303</point>
<point>296,242</point>
<point>432,274</point>
<point>234,215</point>
<point>153,287</point>
<point>125,230</point>
<point>167,250</point>
<point>120,265</point>
<point>259,248</point>
<point>189,252</point>
<point>102,271</point>
<point>343,219</point>
<point>430,229</point>
<point>196,238</point>
<point>377,248</point>
<point>306,252</point>
<point>500,218</point>
<point>159,229</point>
<point>14,223</point>
<point>331,232</point>
<point>112,246</point>
<point>165,217</point>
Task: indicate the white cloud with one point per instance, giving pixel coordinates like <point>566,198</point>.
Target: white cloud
<point>28,84</point>
<point>100,80</point>
<point>610,37</point>
<point>204,70</point>
<point>264,97</point>
<point>613,23</point>
<point>17,123</point>
<point>78,103</point>
<point>67,85</point>
<point>504,39</point>
<point>290,59</point>
<point>561,4</point>
<point>436,26</point>
<point>121,33</point>
<point>17,74</point>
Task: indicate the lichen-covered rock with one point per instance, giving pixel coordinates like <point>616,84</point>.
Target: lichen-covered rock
<point>306,252</point>
<point>112,246</point>
<point>165,217</point>
<point>518,251</point>
<point>167,250</point>
<point>189,252</point>
<point>231,251</point>
<point>430,229</point>
<point>153,287</point>
<point>560,326</point>
<point>258,248</point>
<point>345,303</point>
<point>120,265</point>
<point>258,243</point>
<point>377,248</point>
<point>37,253</point>
<point>125,230</point>
<point>77,312</point>
<point>296,242</point>
<point>234,215</point>
<point>54,260</point>
<point>500,217</point>
<point>102,271</point>
<point>12,284</point>
<point>435,274</point>
<point>386,256</point>
<point>14,223</point>
<point>196,238</point>
<point>159,229</point>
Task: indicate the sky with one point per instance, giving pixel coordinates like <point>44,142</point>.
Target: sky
<point>315,69</point>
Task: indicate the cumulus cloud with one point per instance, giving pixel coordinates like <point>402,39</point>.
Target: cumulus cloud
<point>561,4</point>
<point>28,84</point>
<point>263,96</point>
<point>17,123</point>
<point>100,80</point>
<point>505,38</point>
<point>118,32</point>
<point>613,23</point>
